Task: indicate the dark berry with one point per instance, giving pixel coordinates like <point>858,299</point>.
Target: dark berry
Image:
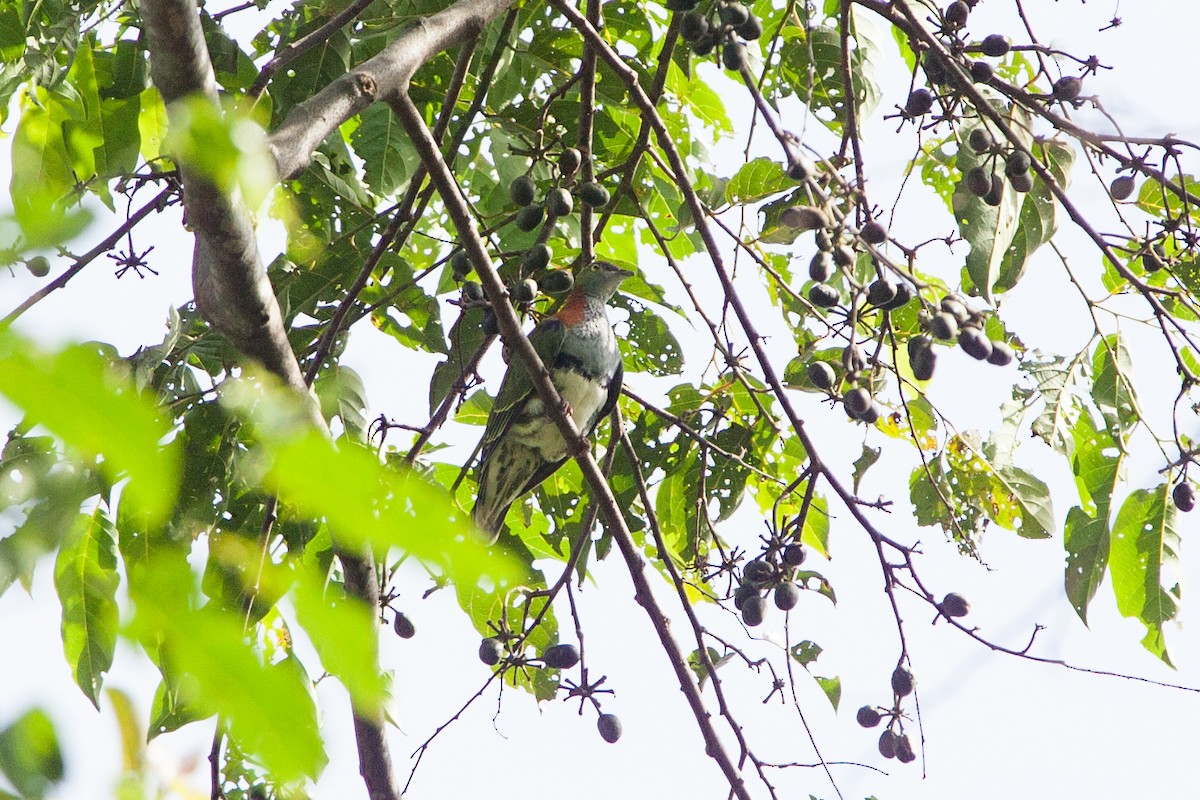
<point>944,326</point>
<point>472,292</point>
<point>733,14</point>
<point>857,401</point>
<point>744,592</point>
<point>694,26</point>
<point>981,71</point>
<point>1184,496</point>
<point>980,140</point>
<point>490,326</point>
<point>610,727</point>
<point>530,217</point>
<point>904,293</point>
<point>902,682</point>
<point>536,258</point>
<point>759,572</point>
<point>821,268</point>
<point>1067,88</point>
<point>557,281</point>
<point>823,295</point>
<point>787,595</point>
<point>569,161</point>
<point>821,374</point>
<point>594,194</point>
<point>1016,163</point>
<point>1022,183</point>
<point>522,190</point>
<point>954,605</point>
<point>979,181</point>
<point>794,555</point>
<point>975,343</point>
<point>995,45</point>
<point>873,233</point>
<point>887,744</point>
<point>801,168</point>
<point>753,610</point>
<point>559,203</point>
<point>921,358</point>
<point>904,750</point>
<point>957,13</point>
<point>919,102</point>
<point>868,717</point>
<point>751,29</point>
<point>1001,355</point>
<point>491,651</point>
<point>995,194</point>
<point>404,626</point>
<point>460,264</point>
<point>1121,188</point>
<point>733,55</point>
<point>956,308</point>
<point>881,291</point>
<point>561,656</point>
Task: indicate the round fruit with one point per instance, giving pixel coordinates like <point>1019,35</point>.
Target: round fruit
<point>460,264</point>
<point>954,605</point>
<point>490,326</point>
<point>1067,88</point>
<point>610,727</point>
<point>995,45</point>
<point>981,71</point>
<point>733,14</point>
<point>919,102</point>
<point>472,292</point>
<point>957,13</point>
<point>995,195</point>
<point>1001,355</point>
<point>559,202</point>
<point>823,241</point>
<point>753,611</point>
<point>787,595</point>
<point>681,5</point>
<point>870,416</point>
<point>868,717</point>
<point>1152,260</point>
<point>853,358</point>
<point>857,401</point>
<point>561,656</point>
<point>491,651</point>
<point>569,161</point>
<point>843,255</point>
<point>38,266</point>
<point>943,326</point>
<point>821,268</point>
<point>759,572</point>
<point>751,29</point>
<point>1022,183</point>
<point>594,194</point>
<point>1184,496</point>
<point>904,293</point>
<point>522,190</point>
<point>803,218</point>
<point>980,140</point>
<point>694,26</point>
<point>705,44</point>
<point>902,682</point>
<point>525,291</point>
<point>979,181</point>
<point>557,281</point>
<point>975,343</point>
<point>733,55</point>
<point>536,258</point>
<point>1016,163</point>
<point>404,626</point>
<point>744,592</point>
<point>529,217</point>
<point>801,168</point>
<point>873,233</point>
<point>887,744</point>
<point>823,295</point>
<point>935,68</point>
<point>956,308</point>
<point>1121,188</point>
<point>881,291</point>
<point>794,555</point>
<point>904,750</point>
<point>821,374</point>
<point>922,359</point>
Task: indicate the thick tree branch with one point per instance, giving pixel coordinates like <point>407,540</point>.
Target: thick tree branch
<point>510,328</point>
<point>382,77</point>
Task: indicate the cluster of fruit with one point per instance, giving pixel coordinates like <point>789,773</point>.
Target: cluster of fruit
<point>727,24</point>
<point>492,651</point>
<point>534,274</point>
<point>985,181</point>
<point>764,576</point>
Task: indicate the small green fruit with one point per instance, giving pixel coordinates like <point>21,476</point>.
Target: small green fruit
<point>38,266</point>
<point>460,264</point>
<point>557,281</point>
<point>559,202</point>
<point>525,291</point>
<point>522,190</point>
<point>472,292</point>
<point>530,217</point>
<point>594,194</point>
<point>536,258</point>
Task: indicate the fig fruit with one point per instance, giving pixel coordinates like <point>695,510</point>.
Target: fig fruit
<point>694,26</point>
<point>460,264</point>
<point>904,293</point>
<point>743,593</point>
<point>1022,183</point>
<point>38,266</point>
<point>995,195</point>
<point>922,359</point>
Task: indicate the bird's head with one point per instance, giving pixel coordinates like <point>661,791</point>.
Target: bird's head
<point>600,279</point>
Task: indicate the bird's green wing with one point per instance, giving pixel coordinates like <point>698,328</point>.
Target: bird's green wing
<point>517,386</point>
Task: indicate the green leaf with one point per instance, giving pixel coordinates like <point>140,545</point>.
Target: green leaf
<point>1098,467</point>
<point>1113,390</point>
<point>43,173</point>
<point>648,345</point>
<point>30,756</point>
<point>114,424</point>
<point>817,81</point>
<point>1144,546</point>
<point>989,230</point>
<point>863,463</point>
<point>832,687</point>
<point>343,395</point>
<point>1061,384</point>
<point>387,153</point>
<point>756,180</point>
<point>806,652</point>
<point>86,578</point>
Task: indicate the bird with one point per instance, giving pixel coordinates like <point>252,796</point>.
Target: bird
<point>522,446</point>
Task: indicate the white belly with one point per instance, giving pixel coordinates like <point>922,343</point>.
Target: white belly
<point>540,433</point>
